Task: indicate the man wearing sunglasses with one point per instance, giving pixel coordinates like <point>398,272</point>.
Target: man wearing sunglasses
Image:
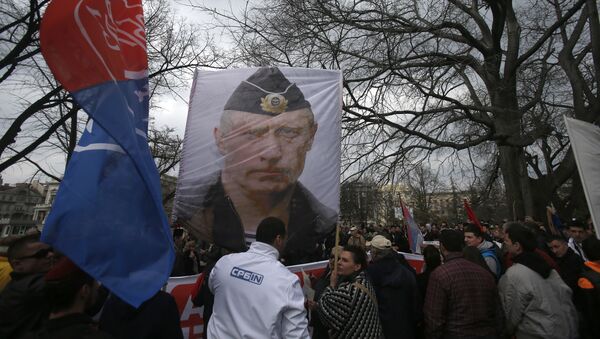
<point>23,306</point>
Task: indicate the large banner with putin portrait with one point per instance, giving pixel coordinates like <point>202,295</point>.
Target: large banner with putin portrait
<point>262,142</point>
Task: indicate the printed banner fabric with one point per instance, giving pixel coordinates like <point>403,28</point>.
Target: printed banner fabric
<point>262,142</point>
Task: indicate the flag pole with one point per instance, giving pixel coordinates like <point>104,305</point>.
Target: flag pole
<point>336,252</point>
<point>405,223</point>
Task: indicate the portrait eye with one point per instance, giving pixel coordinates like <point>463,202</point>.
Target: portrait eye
<point>255,133</point>
<point>289,132</point>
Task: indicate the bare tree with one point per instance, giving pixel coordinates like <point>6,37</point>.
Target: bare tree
<point>360,201</point>
<point>42,117</point>
<point>423,184</point>
<point>468,82</point>
<point>166,147</point>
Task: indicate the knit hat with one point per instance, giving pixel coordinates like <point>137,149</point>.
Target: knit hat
<point>66,272</point>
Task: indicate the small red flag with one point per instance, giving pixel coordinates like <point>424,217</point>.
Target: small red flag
<point>471,215</point>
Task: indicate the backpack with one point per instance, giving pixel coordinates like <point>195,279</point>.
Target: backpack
<point>594,278</point>
<point>491,253</point>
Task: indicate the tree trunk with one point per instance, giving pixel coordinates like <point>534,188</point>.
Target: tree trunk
<point>511,160</point>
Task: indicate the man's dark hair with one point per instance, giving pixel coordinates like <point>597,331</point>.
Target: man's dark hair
<point>432,258</point>
<point>576,223</point>
<point>359,256</point>
<point>268,229</point>
<point>63,282</point>
<point>452,241</point>
<point>61,294</point>
<point>591,248</point>
<point>16,248</point>
<point>473,229</point>
<point>518,232</point>
<point>177,233</point>
<point>553,237</point>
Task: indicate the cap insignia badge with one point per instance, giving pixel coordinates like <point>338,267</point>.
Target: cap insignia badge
<point>274,103</point>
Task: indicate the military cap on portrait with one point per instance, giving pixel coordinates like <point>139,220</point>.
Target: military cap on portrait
<point>267,92</point>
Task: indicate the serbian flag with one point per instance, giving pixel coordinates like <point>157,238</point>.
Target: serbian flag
<point>108,215</point>
<point>471,215</point>
<point>413,233</point>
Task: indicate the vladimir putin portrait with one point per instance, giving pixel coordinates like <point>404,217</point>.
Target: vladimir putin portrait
<point>266,129</point>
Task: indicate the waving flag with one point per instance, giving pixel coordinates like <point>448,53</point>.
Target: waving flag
<point>471,215</point>
<point>413,233</point>
<point>108,215</point>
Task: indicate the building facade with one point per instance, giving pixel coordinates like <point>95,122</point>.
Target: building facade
<point>17,205</point>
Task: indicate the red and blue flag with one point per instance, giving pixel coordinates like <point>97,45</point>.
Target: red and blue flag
<point>108,215</point>
<point>413,233</point>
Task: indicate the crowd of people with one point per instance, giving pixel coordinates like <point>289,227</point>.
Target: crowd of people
<point>514,280</point>
<point>47,296</point>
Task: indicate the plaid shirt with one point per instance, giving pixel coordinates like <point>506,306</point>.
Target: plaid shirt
<point>461,301</point>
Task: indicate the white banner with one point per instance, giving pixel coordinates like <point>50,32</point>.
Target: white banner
<point>585,142</point>
<point>262,142</point>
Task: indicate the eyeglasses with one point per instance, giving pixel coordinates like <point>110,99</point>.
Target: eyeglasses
<point>42,253</point>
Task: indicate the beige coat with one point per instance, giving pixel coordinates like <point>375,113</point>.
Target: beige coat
<point>536,307</point>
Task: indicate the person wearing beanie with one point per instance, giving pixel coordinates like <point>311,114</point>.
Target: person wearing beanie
<point>266,130</point>
<point>70,292</point>
<point>536,301</point>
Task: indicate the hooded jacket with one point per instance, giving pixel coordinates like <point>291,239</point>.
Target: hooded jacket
<point>536,301</point>
<point>398,297</point>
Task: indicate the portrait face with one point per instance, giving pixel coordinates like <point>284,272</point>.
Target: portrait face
<point>472,240</point>
<point>346,264</point>
<point>559,248</point>
<point>264,154</point>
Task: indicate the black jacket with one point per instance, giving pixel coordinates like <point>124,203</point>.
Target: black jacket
<point>207,209</point>
<point>398,297</point>
<point>72,326</point>
<point>156,318</point>
<point>23,306</point>
<point>320,331</point>
<point>570,267</point>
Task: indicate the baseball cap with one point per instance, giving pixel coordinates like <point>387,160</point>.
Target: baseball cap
<point>380,242</point>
